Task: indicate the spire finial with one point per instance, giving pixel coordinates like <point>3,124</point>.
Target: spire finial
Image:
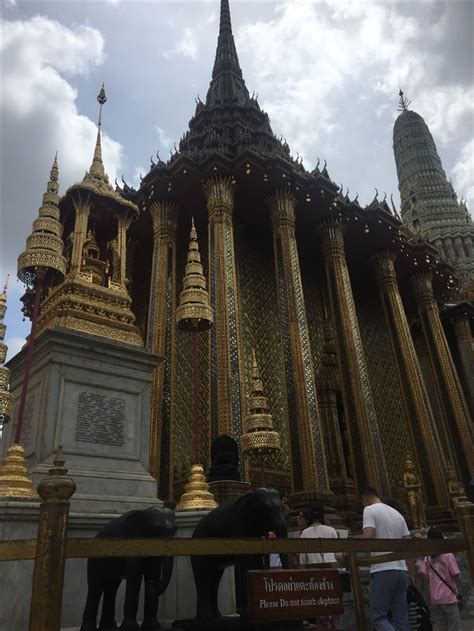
<point>227,85</point>
<point>404,102</point>
<point>97,166</point>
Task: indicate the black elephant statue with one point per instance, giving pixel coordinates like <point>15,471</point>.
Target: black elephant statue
<point>254,514</point>
<point>104,575</point>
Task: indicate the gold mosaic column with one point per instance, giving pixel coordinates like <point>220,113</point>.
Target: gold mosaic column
<point>356,392</point>
<point>446,379</point>
<point>328,387</point>
<point>464,343</point>
<point>307,447</point>
<point>413,391</point>
<point>122,227</point>
<point>226,383</point>
<point>79,233</point>
<point>161,333</point>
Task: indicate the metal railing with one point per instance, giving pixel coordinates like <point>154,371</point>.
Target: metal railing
<point>52,547</point>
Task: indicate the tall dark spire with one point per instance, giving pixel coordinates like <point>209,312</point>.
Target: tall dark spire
<point>227,85</point>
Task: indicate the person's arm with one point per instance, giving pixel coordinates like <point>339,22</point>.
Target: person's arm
<point>368,524</point>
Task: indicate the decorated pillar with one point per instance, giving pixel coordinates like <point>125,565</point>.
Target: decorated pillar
<point>310,477</point>
<point>226,388</point>
<point>447,383</point>
<point>357,394</point>
<point>464,343</point>
<point>160,334</point>
<point>339,455</point>
<point>79,233</point>
<point>413,390</point>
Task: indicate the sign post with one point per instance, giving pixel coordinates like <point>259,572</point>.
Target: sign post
<point>294,594</point>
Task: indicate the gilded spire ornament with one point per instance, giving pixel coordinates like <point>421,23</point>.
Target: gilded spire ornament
<point>43,258</point>
<point>14,479</point>
<point>194,315</point>
<point>44,246</point>
<point>259,440</point>
<point>194,312</point>
<point>97,167</point>
<point>6,397</point>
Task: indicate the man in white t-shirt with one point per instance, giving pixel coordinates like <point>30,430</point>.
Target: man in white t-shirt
<point>388,581</point>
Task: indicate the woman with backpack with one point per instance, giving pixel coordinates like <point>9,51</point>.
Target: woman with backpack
<point>442,572</point>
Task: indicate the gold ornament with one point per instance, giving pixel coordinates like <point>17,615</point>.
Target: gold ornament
<point>412,486</point>
<point>194,312</point>
<point>197,495</point>
<point>44,246</point>
<point>15,482</point>
<point>259,440</point>
<point>6,397</point>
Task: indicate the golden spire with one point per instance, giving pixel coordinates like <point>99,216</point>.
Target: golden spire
<point>259,439</point>
<point>44,246</point>
<point>6,397</point>
<point>14,479</point>
<point>194,312</point>
<point>97,166</point>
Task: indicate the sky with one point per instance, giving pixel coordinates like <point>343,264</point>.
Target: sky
<point>328,74</point>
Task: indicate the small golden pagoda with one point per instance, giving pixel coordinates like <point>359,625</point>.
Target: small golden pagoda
<point>259,440</point>
<point>94,297</point>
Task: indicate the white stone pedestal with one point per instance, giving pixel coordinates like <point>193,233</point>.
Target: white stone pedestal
<point>92,395</point>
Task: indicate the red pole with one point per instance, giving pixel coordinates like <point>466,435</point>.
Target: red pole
<point>195,398</point>
<point>28,360</point>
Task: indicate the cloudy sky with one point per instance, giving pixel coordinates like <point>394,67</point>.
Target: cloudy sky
<point>327,72</point>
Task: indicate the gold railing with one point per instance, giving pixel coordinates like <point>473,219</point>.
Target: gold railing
<point>52,546</point>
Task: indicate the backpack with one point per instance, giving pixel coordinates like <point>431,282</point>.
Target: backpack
<point>419,618</point>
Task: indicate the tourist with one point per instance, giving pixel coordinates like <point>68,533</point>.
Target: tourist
<point>388,581</point>
<point>443,574</point>
<point>311,520</point>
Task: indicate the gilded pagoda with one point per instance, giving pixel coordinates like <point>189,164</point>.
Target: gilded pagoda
<point>339,302</point>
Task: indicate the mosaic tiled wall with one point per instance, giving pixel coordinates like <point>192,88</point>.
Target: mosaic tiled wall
<point>393,423</point>
<point>261,329</point>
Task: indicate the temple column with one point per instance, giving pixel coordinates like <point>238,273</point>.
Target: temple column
<point>161,333</point>
<point>464,342</point>
<point>226,372</point>
<point>310,478</point>
<point>413,391</point>
<point>122,227</point>
<point>79,235</point>
<point>447,382</point>
<point>328,387</point>
<point>357,395</point>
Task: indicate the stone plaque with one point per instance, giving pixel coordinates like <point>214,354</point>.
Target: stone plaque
<point>100,419</point>
<point>294,594</point>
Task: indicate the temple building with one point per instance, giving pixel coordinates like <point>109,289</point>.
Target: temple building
<point>338,303</point>
<point>429,204</point>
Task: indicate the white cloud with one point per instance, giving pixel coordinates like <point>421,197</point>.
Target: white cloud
<point>41,57</point>
<point>39,103</point>
<point>137,175</point>
<point>324,68</point>
<point>15,344</point>
<point>164,140</point>
<point>463,172</point>
<point>187,45</point>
